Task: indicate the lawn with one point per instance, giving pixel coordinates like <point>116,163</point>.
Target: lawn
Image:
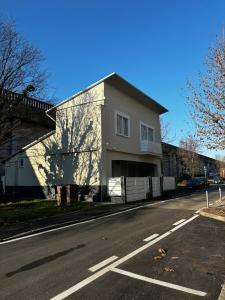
<point>12,212</point>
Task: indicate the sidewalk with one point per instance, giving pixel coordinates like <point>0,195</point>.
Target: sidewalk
<point>16,230</point>
<point>215,211</point>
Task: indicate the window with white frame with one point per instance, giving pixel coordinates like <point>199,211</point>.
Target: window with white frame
<point>122,124</point>
<point>147,133</point>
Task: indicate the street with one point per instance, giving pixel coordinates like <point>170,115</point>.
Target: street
<point>115,257</point>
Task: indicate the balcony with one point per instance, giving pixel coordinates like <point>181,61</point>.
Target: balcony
<point>148,147</point>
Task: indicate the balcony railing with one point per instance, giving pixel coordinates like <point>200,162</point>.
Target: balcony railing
<point>151,147</point>
<point>30,102</point>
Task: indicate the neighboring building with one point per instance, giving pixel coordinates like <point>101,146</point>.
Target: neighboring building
<point>109,129</point>
<point>26,124</point>
<point>173,166</point>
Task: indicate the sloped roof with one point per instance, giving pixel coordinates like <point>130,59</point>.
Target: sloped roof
<point>124,86</point>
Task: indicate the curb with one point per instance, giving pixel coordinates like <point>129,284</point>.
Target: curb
<point>212,216</point>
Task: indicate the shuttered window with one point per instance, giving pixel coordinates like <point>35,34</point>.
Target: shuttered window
<point>122,125</point>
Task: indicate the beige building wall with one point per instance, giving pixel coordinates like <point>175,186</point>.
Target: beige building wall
<point>127,148</point>
<point>72,154</point>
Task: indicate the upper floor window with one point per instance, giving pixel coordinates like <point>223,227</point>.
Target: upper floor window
<point>122,124</point>
<point>147,133</point>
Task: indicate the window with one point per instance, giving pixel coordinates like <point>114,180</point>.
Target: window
<point>21,163</point>
<point>122,124</point>
<point>147,133</point>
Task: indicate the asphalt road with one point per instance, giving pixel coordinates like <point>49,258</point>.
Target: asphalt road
<point>56,264</point>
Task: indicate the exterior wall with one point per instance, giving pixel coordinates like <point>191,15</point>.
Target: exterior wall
<point>72,155</point>
<point>122,148</point>
<point>138,112</point>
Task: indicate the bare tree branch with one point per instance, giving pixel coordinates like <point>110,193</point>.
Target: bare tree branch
<point>187,152</point>
<point>207,99</point>
<point>20,69</point>
<point>165,132</point>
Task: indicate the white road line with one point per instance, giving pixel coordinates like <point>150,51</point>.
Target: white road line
<point>161,283</point>
<point>81,223</point>
<point>178,222</point>
<point>151,237</point>
<point>103,263</point>
<point>115,264</point>
<point>184,223</point>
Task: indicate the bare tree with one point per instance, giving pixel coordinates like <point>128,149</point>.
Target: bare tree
<point>165,128</point>
<point>188,155</point>
<point>19,62</point>
<point>207,99</point>
<point>20,72</point>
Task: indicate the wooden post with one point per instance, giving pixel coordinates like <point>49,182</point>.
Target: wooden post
<point>68,198</point>
<point>58,195</point>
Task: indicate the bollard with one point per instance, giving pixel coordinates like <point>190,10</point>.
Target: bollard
<point>207,199</point>
<point>220,194</point>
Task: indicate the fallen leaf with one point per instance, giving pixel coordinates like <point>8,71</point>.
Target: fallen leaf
<point>157,257</point>
<point>168,269</point>
<point>162,251</point>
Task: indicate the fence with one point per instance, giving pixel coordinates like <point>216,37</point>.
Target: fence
<point>137,188</point>
<point>130,189</point>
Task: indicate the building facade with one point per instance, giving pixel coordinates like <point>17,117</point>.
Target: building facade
<point>174,166</point>
<point>109,129</point>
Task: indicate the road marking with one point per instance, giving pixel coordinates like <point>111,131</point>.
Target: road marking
<point>161,283</point>
<point>80,223</point>
<point>178,222</point>
<point>184,223</point>
<point>151,237</point>
<point>115,264</point>
<point>103,263</point>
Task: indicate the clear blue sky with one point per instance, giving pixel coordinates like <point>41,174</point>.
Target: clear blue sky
<point>156,45</point>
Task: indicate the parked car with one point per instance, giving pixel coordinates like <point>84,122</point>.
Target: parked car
<point>217,179</point>
<point>198,182</point>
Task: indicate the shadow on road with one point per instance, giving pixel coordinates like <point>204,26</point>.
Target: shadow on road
<point>43,261</point>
